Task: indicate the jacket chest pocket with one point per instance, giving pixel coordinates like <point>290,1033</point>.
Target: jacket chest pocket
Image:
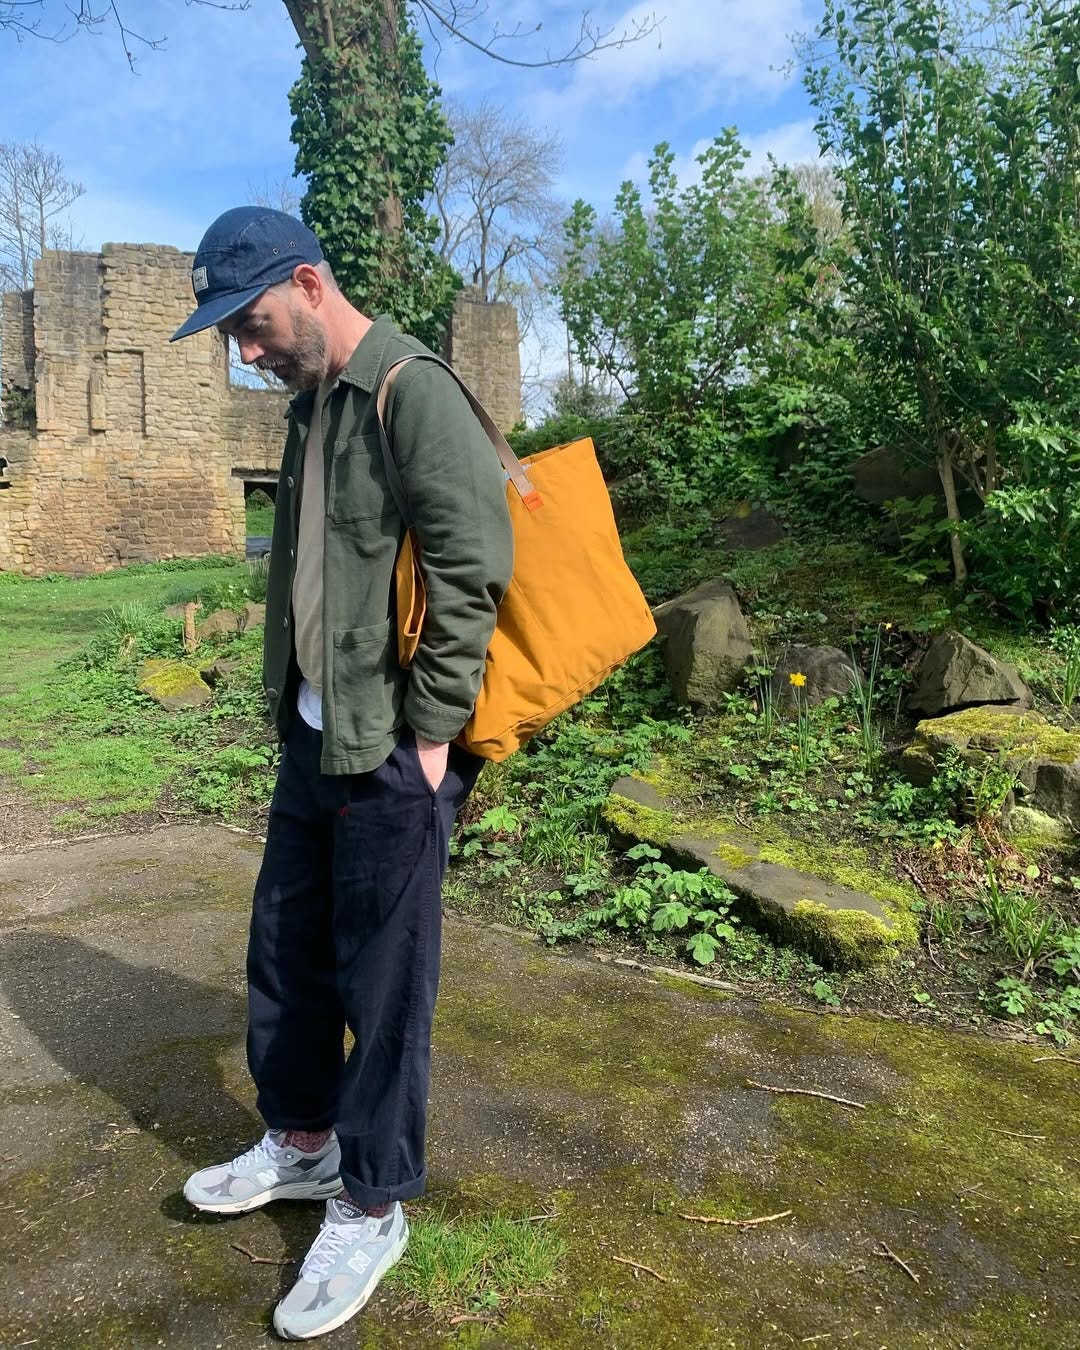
<point>358,489</point>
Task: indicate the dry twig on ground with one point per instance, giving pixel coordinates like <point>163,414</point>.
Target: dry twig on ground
<point>263,1260</point>
<point>888,1254</point>
<point>806,1092</point>
<point>625,1261</point>
<point>737,1223</point>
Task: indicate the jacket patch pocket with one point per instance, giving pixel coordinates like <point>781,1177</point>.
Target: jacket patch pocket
<point>364,684</point>
<point>358,487</point>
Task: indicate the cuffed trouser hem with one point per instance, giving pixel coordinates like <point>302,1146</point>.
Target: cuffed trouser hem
<point>375,1197</point>
<point>311,1126</point>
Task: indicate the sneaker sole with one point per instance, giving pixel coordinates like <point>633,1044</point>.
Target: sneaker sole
<point>293,1191</point>
<point>392,1257</point>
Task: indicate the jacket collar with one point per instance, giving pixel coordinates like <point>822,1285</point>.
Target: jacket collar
<point>362,368</point>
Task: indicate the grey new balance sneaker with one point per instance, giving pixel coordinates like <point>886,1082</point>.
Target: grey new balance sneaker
<point>346,1261</point>
<point>267,1171</point>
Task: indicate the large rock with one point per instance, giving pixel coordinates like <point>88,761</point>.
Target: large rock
<point>708,643</point>
<point>254,616</point>
<point>787,447</point>
<point>829,674</point>
<point>217,671</point>
<point>827,913</point>
<point>886,473</point>
<point>1044,758</point>
<point>749,527</point>
<point>173,684</point>
<point>955,674</point>
<point>222,623</point>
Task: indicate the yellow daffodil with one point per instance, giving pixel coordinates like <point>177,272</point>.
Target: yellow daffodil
<point>888,627</point>
<point>796,679</point>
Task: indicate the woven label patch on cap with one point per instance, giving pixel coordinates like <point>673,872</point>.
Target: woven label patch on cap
<point>198,280</point>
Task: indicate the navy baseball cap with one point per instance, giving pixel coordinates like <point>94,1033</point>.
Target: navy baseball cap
<point>245,252</point>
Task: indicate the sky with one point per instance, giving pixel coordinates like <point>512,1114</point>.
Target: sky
<point>203,123</point>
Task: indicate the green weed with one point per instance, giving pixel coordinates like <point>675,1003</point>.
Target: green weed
<point>476,1264</point>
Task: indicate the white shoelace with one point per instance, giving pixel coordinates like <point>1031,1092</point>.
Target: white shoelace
<point>262,1152</point>
<point>333,1239</point>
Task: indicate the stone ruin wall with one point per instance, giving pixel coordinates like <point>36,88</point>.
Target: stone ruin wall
<point>137,450</point>
<point>483,346</point>
<point>132,444</point>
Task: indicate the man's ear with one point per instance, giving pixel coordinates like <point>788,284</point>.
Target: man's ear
<point>310,282</point>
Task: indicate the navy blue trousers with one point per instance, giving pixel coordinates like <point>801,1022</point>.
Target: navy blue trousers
<point>345,932</point>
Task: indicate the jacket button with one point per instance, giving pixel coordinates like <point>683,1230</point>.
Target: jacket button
<point>284,623</point>
<point>292,553</point>
<point>289,481</point>
<point>271,693</point>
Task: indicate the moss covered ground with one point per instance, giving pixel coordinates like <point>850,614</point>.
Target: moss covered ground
<point>599,1104</point>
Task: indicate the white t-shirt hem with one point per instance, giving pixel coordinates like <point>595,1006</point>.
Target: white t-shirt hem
<point>309,705</point>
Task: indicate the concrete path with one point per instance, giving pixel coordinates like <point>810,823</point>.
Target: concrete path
<point>561,1085</point>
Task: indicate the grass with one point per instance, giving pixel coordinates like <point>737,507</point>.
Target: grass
<point>85,738</point>
<point>260,520</point>
<point>475,1264</point>
<point>43,620</point>
<point>533,849</point>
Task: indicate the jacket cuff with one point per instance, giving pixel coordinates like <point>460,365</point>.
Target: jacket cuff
<point>433,722</point>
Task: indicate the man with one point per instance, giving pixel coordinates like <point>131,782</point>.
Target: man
<point>345,928</point>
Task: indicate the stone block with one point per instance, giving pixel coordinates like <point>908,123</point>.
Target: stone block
<point>707,645</point>
<point>839,924</point>
<point>956,673</point>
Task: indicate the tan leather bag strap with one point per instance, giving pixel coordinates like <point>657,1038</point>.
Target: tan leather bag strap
<point>512,466</point>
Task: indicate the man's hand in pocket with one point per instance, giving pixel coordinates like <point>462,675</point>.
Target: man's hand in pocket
<point>433,756</point>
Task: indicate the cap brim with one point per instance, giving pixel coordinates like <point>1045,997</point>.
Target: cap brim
<point>215,310</point>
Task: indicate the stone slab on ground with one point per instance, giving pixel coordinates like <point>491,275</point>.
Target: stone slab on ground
<point>616,1101</point>
<point>173,684</point>
<point>845,928</point>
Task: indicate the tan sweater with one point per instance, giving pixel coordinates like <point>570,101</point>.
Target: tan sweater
<point>307,594</point>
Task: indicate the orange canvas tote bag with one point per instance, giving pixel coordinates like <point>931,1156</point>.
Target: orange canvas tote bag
<point>573,611</point>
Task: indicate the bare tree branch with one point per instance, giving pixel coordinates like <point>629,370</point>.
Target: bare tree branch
<point>455,16</point>
<point>494,197</point>
<point>315,26</point>
<point>92,19</point>
<point>33,192</point>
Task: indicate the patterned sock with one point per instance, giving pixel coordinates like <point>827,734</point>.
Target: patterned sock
<point>371,1211</point>
<point>307,1141</point>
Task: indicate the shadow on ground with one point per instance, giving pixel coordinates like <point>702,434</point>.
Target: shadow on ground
<point>619,1103</point>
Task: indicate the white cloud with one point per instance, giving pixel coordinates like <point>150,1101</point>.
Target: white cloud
<point>704,51</point>
<point>791,143</point>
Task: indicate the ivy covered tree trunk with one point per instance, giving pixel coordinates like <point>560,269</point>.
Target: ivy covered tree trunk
<point>370,136</point>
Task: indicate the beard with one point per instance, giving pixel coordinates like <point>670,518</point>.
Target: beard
<point>304,365</point>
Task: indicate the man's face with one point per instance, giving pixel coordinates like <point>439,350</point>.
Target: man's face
<point>274,333</point>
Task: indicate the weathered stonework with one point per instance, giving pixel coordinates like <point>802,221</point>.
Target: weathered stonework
<point>482,346</point>
<point>129,449</point>
<point>117,447</point>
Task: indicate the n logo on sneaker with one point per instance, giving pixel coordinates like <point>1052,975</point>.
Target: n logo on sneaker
<point>359,1262</point>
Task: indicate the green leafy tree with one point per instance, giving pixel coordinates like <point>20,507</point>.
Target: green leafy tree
<point>956,144</point>
<point>687,295</point>
<point>681,298</point>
